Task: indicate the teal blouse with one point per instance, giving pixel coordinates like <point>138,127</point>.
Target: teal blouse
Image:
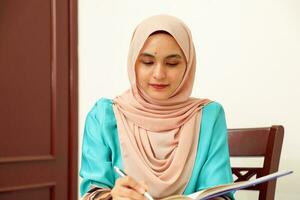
<point>101,149</point>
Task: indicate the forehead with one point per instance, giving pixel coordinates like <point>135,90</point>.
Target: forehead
<point>161,44</point>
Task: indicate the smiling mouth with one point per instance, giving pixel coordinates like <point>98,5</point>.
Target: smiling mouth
<point>158,86</point>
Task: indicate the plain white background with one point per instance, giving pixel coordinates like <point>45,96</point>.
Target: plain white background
<point>248,59</point>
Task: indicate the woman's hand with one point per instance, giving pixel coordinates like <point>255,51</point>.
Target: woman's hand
<point>127,188</point>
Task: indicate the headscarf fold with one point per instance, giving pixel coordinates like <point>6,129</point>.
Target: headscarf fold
<point>159,138</point>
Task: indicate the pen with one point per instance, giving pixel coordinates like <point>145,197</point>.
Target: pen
<point>122,174</point>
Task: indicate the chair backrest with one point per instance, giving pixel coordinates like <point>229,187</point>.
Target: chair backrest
<point>257,142</point>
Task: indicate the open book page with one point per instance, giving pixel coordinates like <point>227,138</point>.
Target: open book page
<point>209,190</point>
<point>223,189</point>
<point>194,195</point>
<point>226,188</point>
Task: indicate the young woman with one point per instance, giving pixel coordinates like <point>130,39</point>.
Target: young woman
<point>166,141</point>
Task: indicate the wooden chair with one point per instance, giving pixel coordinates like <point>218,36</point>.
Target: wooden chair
<point>257,142</point>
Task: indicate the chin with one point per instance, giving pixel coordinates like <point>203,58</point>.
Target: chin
<point>159,97</point>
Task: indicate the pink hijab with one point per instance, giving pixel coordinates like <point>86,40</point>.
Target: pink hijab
<point>159,138</point>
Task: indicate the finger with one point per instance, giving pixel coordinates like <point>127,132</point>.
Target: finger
<point>144,185</point>
<point>129,182</point>
<point>128,187</point>
<point>125,192</point>
<point>131,193</point>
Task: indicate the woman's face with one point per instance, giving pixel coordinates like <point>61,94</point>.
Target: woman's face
<point>160,66</point>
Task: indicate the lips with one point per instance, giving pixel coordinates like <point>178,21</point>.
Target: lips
<point>159,86</point>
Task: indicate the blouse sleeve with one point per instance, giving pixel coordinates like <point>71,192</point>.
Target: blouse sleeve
<point>96,165</point>
<point>217,169</point>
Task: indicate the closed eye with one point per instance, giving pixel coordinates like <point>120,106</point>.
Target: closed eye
<point>147,63</point>
<point>172,64</point>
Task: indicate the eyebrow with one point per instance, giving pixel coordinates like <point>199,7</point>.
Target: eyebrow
<point>169,56</point>
<point>147,55</point>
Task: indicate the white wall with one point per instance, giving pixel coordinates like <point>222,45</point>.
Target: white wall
<point>248,59</point>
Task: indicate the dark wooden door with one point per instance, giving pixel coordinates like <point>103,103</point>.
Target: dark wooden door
<point>38,99</point>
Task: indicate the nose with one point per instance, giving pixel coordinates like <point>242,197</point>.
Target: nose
<point>159,72</point>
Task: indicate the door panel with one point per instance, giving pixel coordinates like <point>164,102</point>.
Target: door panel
<point>38,99</point>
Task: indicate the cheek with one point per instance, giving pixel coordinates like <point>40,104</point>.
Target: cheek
<point>141,76</point>
<point>177,76</point>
